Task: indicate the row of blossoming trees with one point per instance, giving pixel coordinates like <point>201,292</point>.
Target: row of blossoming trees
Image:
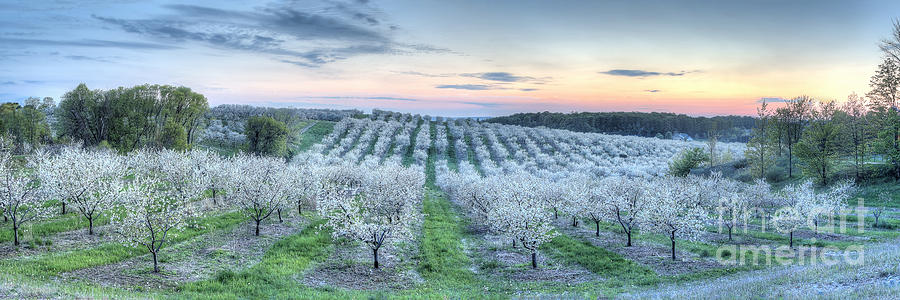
<point>499,149</point>
<point>523,207</point>
<point>150,196</point>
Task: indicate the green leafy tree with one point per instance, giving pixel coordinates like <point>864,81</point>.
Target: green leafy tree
<point>791,120</point>
<point>688,160</point>
<point>130,118</point>
<point>24,124</point>
<point>760,151</point>
<point>819,147</point>
<point>853,118</point>
<point>884,98</point>
<point>266,136</point>
<point>173,136</point>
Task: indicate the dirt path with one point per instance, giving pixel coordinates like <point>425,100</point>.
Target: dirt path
<point>877,277</point>
<point>307,127</point>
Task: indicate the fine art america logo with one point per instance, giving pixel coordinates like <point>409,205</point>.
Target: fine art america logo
<point>813,236</point>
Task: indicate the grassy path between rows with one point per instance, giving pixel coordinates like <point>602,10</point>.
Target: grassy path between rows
<point>68,222</point>
<point>314,135</point>
<point>276,276</point>
<point>45,266</point>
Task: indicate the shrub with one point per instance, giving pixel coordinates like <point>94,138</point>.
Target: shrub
<point>687,160</point>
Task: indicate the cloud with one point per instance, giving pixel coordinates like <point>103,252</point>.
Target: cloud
<point>423,74</point>
<point>653,91</point>
<point>22,82</point>
<point>498,76</point>
<point>307,37</point>
<point>528,90</point>
<point>482,104</point>
<point>773,100</point>
<point>641,73</point>
<point>86,58</point>
<point>368,98</point>
<point>85,43</point>
<point>471,87</point>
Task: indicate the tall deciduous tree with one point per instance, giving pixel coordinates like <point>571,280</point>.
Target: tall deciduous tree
<point>760,152</point>
<point>792,118</point>
<point>884,98</point>
<point>819,146</point>
<point>854,121</point>
<point>130,118</point>
<point>266,136</point>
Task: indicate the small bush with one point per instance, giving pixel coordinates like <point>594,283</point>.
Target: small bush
<point>225,276</point>
<point>687,160</point>
<point>490,265</point>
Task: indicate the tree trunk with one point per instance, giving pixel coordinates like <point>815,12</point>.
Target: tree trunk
<point>598,228</point>
<point>299,208</point>
<point>790,161</point>
<point>792,239</point>
<point>15,235</point>
<point>673,245</point>
<point>555,213</point>
<point>214,197</point>
<point>533,260</point>
<point>257,227</point>
<point>514,243</point>
<point>279,216</point>
<point>90,226</point>
<point>64,208</point>
<point>375,254</point>
<point>155,263</point>
<point>729,233</point>
<point>574,221</point>
<point>628,233</point>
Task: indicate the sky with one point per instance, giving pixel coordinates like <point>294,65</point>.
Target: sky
<point>451,58</point>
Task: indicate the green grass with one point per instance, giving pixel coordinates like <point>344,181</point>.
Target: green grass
<point>70,221</point>
<point>314,135</point>
<point>600,261</point>
<point>452,159</point>
<point>273,277</point>
<point>443,262</point>
<point>53,264</point>
<point>870,191</point>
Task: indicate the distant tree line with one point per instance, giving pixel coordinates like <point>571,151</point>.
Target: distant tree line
<point>664,125</point>
<point>863,132</point>
<point>287,115</point>
<point>125,119</point>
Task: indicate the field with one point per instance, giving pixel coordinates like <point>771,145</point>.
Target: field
<point>488,211</point>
